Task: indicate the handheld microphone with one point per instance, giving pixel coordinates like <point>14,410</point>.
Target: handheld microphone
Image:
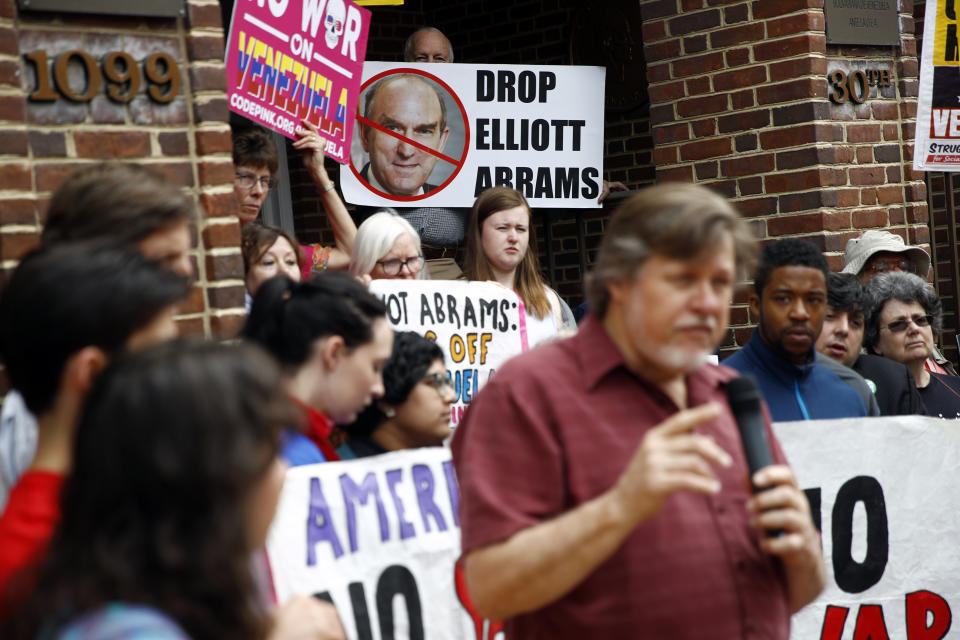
<point>744,398</point>
<point>743,394</point>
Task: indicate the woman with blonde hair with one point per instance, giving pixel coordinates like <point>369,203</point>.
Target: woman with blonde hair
<point>387,247</point>
<point>501,247</point>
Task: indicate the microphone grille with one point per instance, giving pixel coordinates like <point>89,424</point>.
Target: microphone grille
<point>743,389</point>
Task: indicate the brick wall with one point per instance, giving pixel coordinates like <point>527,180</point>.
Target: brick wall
<point>740,102</point>
<point>187,139</point>
<point>522,32</point>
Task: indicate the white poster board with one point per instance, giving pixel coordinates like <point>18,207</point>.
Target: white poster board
<point>535,128</point>
<point>478,325</point>
<point>380,538</point>
<point>890,519</point>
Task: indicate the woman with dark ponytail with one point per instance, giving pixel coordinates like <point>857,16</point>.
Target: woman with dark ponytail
<point>332,339</point>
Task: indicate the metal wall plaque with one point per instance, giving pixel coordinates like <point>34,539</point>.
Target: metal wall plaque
<point>862,22</point>
<point>152,8</point>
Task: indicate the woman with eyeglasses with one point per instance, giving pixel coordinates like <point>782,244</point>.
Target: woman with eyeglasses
<point>501,247</point>
<point>415,408</point>
<point>255,160</point>
<point>387,247</point>
<point>903,314</point>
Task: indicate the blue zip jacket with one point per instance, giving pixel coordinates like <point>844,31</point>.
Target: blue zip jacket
<point>793,392</point>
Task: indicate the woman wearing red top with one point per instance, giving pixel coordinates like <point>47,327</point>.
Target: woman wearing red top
<point>332,339</point>
<point>175,483</point>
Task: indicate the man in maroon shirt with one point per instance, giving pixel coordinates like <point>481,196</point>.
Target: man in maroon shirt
<point>604,489</point>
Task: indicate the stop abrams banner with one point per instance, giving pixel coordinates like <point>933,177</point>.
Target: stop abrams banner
<point>478,325</point>
<point>937,138</point>
<point>293,60</point>
<point>882,494</point>
<point>380,538</point>
<point>440,134</point>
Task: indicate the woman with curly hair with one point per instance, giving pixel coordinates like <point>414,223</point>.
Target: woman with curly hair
<point>903,315</point>
<point>415,408</point>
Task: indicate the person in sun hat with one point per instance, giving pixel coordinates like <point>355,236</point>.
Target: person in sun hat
<point>876,252</point>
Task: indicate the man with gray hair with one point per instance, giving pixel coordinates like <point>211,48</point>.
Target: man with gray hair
<point>441,229</point>
<point>619,508</point>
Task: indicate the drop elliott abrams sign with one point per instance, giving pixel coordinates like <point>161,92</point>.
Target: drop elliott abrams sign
<point>446,132</point>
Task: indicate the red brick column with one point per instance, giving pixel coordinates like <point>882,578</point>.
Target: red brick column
<point>740,102</point>
<point>212,153</point>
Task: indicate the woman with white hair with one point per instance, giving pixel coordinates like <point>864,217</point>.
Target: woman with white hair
<point>387,246</point>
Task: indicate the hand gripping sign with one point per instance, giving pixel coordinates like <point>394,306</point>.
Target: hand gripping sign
<point>293,60</point>
<point>440,134</point>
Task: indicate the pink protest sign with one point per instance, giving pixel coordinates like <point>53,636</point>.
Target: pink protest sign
<point>289,61</point>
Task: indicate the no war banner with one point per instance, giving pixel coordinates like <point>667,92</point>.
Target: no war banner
<point>882,491</point>
<point>380,536</point>
<point>293,60</point>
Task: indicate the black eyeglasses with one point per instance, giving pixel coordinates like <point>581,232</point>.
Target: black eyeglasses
<point>884,266</point>
<point>395,266</point>
<point>438,381</point>
<point>901,325</point>
<point>247,180</point>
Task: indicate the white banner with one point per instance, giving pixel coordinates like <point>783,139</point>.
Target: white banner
<point>478,325</point>
<point>937,137</point>
<point>380,538</point>
<point>538,129</point>
<point>882,490</point>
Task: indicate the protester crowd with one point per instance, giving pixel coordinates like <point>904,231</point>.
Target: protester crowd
<point>139,473</point>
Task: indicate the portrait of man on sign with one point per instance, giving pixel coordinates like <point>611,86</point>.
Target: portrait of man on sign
<point>404,116</point>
